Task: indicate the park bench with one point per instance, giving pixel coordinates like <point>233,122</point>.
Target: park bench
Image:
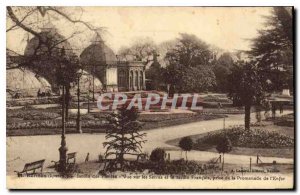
<point>71,160</point>
<point>142,157</point>
<point>71,157</point>
<point>30,168</point>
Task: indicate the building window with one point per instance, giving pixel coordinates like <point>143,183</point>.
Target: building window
<point>121,78</point>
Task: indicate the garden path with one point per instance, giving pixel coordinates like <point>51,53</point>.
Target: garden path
<point>24,149</point>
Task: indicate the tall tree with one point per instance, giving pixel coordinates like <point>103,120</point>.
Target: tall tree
<point>224,146</point>
<point>189,52</point>
<point>155,73</point>
<point>123,136</point>
<point>141,49</point>
<point>188,67</point>
<point>186,144</point>
<point>222,69</point>
<point>273,49</point>
<point>246,87</point>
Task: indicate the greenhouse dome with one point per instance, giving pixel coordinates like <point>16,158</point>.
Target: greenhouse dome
<point>25,83</point>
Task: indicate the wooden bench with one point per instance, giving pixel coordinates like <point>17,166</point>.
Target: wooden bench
<point>30,168</point>
<point>71,160</point>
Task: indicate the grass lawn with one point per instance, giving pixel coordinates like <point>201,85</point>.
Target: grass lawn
<point>287,152</point>
<point>40,121</point>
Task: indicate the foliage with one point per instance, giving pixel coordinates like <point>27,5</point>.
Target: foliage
<point>189,52</point>
<point>285,120</point>
<point>177,167</point>
<point>246,87</point>
<point>188,68</point>
<point>155,73</point>
<point>273,49</point>
<point>222,69</point>
<point>224,146</point>
<point>245,84</point>
<point>255,138</point>
<point>158,155</point>
<point>141,49</point>
<point>122,135</point>
<point>173,168</point>
<point>32,114</point>
<point>186,144</point>
<point>197,79</point>
<point>13,124</point>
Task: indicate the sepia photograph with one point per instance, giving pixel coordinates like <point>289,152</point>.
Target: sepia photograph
<point>101,97</point>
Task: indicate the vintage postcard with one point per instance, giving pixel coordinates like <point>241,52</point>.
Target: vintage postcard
<point>150,97</point>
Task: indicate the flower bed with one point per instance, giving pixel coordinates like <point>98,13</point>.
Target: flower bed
<point>286,120</point>
<point>54,124</point>
<point>255,138</point>
<point>32,114</point>
<point>175,167</point>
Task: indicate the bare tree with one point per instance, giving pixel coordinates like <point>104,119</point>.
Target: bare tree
<point>141,49</point>
<point>45,50</point>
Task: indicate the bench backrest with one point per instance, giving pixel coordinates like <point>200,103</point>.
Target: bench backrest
<point>33,165</point>
<point>71,156</point>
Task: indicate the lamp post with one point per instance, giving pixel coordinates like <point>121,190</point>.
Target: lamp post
<point>94,82</point>
<point>89,94</point>
<point>63,146</point>
<point>78,121</point>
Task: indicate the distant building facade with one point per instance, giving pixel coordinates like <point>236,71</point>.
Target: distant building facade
<point>115,74</point>
<point>106,70</point>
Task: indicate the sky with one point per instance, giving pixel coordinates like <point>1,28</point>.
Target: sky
<point>227,28</point>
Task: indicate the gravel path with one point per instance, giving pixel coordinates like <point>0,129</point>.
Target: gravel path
<point>23,149</point>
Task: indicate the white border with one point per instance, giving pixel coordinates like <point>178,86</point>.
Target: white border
<point>110,3</point>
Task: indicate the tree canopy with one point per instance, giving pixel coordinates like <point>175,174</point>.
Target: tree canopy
<point>246,87</point>
<point>189,67</point>
<point>273,48</point>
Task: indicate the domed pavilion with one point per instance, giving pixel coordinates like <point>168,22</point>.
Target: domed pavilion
<point>114,73</point>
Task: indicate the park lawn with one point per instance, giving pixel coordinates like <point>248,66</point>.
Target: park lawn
<point>287,152</point>
<point>33,121</point>
<point>289,131</point>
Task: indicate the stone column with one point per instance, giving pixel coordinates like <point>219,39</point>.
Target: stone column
<point>144,78</point>
<point>133,81</point>
<point>138,80</point>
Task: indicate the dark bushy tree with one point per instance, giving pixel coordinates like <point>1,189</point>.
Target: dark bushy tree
<point>186,144</point>
<point>123,136</point>
<point>246,87</point>
<point>273,49</point>
<point>189,59</point>
<point>158,155</point>
<point>222,69</point>
<point>155,73</point>
<point>224,146</point>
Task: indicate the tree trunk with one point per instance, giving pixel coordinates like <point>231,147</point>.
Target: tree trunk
<point>186,155</point>
<point>223,162</point>
<point>247,116</point>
